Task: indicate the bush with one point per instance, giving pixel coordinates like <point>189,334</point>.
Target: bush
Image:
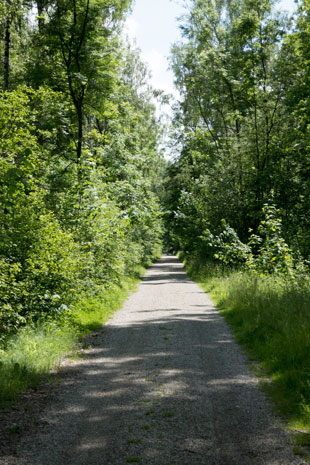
<point>228,247</point>
<point>270,252</point>
<point>266,252</point>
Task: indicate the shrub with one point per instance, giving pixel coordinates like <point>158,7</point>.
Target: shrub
<point>270,252</point>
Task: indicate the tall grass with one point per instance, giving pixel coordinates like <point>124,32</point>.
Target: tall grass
<point>31,354</point>
<point>34,352</point>
<point>91,312</point>
<point>270,317</point>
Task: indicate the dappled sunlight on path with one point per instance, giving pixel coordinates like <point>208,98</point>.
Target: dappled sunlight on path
<point>163,383</point>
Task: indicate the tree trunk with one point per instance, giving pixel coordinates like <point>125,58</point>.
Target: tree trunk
<point>80,134</point>
<point>7,43</point>
<point>40,8</point>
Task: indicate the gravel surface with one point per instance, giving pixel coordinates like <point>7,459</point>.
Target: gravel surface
<point>163,384</point>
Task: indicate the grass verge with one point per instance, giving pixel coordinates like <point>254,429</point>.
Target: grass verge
<point>34,352</point>
<point>270,317</point>
<point>30,355</point>
<point>91,312</point>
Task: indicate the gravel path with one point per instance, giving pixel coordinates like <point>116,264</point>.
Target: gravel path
<point>163,384</point>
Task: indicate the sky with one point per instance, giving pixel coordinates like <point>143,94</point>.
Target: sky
<point>154,25</point>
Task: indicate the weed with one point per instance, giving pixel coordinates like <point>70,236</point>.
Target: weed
<point>150,411</point>
<point>302,439</point>
<point>299,451</point>
<point>168,414</point>
<point>28,407</point>
<point>133,460</point>
<point>14,429</point>
<point>133,441</point>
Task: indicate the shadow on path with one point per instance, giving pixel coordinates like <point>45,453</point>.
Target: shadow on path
<point>164,383</point>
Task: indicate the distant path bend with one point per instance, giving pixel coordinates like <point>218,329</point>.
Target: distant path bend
<point>164,384</point>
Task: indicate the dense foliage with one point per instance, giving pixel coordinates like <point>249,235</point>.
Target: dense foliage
<point>79,156</point>
<point>239,189</point>
<point>237,194</point>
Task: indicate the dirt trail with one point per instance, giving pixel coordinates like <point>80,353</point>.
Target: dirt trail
<point>163,385</point>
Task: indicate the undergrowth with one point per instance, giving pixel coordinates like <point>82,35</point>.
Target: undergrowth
<point>90,312</point>
<point>270,317</point>
<point>33,352</point>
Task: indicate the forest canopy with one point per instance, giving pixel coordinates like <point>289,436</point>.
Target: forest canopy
<point>239,191</point>
<point>79,156</point>
<point>84,189</point>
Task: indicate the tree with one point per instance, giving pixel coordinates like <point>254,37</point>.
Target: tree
<point>233,115</point>
<point>79,160</point>
<point>13,30</point>
<point>79,39</point>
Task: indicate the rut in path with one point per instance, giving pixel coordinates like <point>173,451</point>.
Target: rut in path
<point>164,384</point>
